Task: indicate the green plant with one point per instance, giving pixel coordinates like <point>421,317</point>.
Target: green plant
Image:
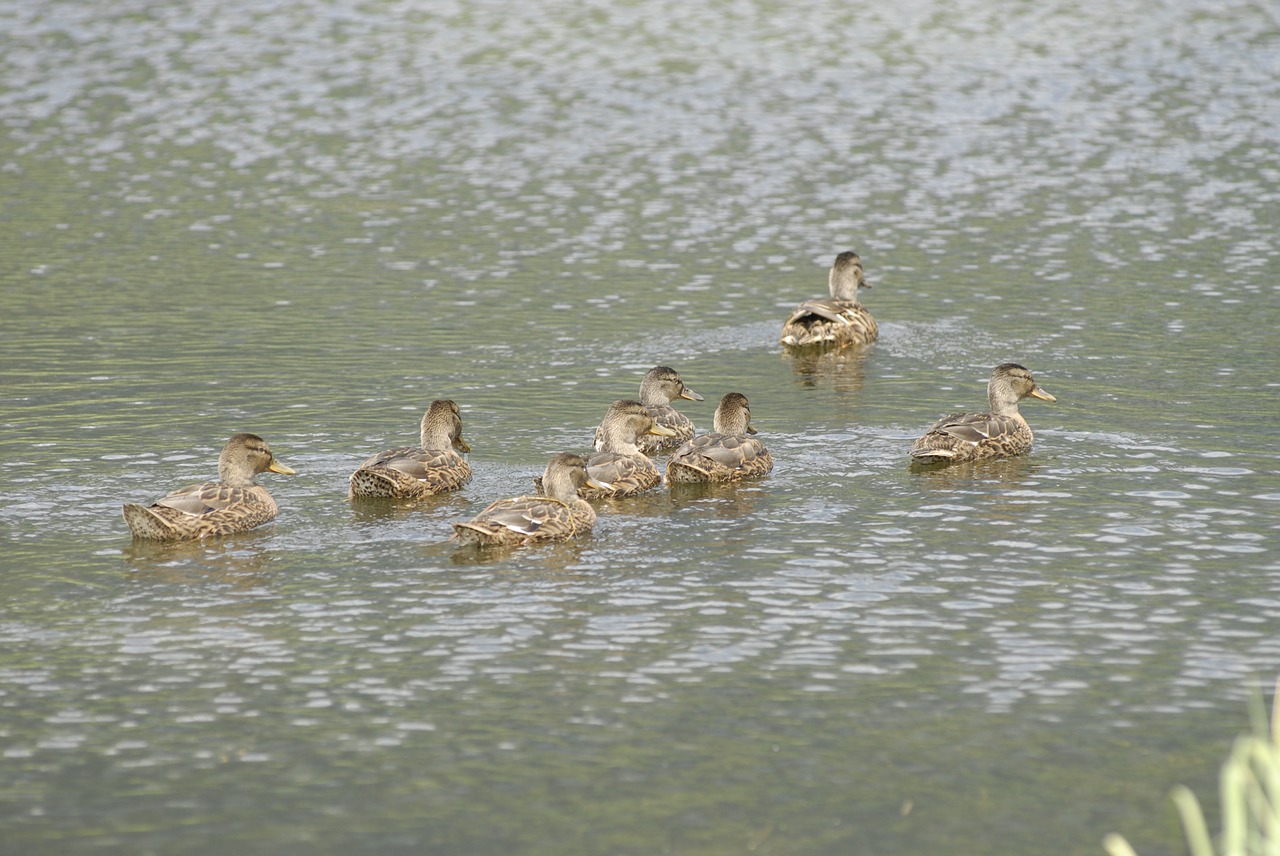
<point>1250,788</point>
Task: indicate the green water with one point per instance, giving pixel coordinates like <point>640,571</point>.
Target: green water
<point>309,220</point>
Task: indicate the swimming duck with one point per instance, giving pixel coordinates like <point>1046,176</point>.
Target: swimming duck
<point>233,503</point>
<point>620,464</point>
<point>973,436</point>
<point>661,386</point>
<point>728,453</point>
<point>558,515</point>
<point>838,320</point>
<point>432,467</point>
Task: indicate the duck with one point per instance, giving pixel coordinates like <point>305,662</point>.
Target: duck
<point>558,515</point>
<point>410,472</point>
<point>839,320</point>
<point>661,386</point>
<point>728,453</point>
<point>620,464</point>
<point>1002,432</point>
<point>233,503</point>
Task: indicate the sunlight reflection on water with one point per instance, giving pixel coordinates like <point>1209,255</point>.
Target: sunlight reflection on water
<point>309,220</point>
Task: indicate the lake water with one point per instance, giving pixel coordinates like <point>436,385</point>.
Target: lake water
<point>309,219</point>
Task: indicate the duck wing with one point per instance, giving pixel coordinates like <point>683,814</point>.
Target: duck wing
<point>976,427</point>
<point>416,463</point>
<point>828,308</point>
<point>624,474</point>
<point>203,498</point>
<point>528,515</point>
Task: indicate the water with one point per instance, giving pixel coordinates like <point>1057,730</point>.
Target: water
<point>309,219</point>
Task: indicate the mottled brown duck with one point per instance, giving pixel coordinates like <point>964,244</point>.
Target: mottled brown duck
<point>1002,432</point>
<point>432,467</point>
<point>834,321</point>
<point>660,387</point>
<point>233,503</point>
<point>558,515</point>
<point>620,464</point>
<point>729,453</point>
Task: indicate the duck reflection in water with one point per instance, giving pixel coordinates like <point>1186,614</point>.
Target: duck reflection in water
<point>239,562</point>
<point>998,472</point>
<point>839,368</point>
<point>718,500</point>
<point>548,558</point>
<point>387,510</point>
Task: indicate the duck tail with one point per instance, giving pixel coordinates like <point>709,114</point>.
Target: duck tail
<point>466,533</point>
<point>683,471</point>
<point>372,483</point>
<point>145,523</point>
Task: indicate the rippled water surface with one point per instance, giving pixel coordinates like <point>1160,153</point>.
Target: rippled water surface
<point>308,219</point>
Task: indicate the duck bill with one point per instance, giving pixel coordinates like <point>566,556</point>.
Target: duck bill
<point>277,467</point>
<point>461,445</point>
<point>751,430</point>
<point>597,484</point>
<point>1042,395</point>
<point>690,395</point>
<point>661,430</point>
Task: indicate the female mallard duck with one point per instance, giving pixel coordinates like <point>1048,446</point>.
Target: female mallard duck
<point>974,436</point>
<point>558,515</point>
<point>233,503</point>
<point>411,472</point>
<point>836,320</point>
<point>620,464</point>
<point>728,453</point>
<point>661,386</point>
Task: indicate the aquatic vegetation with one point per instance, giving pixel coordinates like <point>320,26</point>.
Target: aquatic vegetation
<point>1250,794</point>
